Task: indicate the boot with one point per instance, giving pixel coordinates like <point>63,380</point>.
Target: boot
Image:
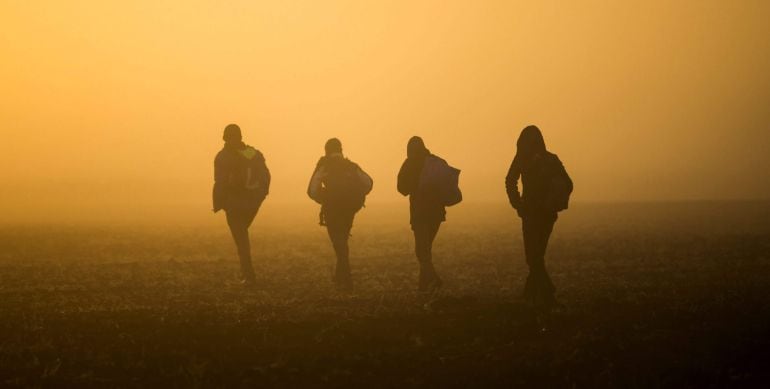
<point>342,278</point>
<point>248,278</point>
<point>428,280</point>
<point>249,281</point>
<point>548,302</point>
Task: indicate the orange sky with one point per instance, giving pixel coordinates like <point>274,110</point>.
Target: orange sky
<point>121,105</point>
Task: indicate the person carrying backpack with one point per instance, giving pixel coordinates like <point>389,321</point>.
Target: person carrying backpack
<point>340,186</point>
<point>546,190</point>
<point>431,185</point>
<point>241,183</point>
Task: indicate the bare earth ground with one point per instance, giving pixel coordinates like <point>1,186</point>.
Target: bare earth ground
<point>656,295</point>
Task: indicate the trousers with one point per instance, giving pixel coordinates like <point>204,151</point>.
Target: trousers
<point>536,231</point>
<point>338,226</point>
<point>424,235</point>
<point>239,222</point>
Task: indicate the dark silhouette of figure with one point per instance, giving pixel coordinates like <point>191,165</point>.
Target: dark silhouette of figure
<point>241,183</point>
<point>426,210</point>
<point>340,186</point>
<point>546,187</point>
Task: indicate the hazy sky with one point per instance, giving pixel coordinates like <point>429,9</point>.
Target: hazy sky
<point>121,105</point>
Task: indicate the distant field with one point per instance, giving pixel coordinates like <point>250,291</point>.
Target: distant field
<point>671,295</point>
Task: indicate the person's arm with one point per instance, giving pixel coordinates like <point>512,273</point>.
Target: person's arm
<point>403,179</point>
<point>220,181</point>
<point>315,187</point>
<point>512,184</point>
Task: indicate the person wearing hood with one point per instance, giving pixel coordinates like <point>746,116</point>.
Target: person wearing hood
<point>426,211</point>
<point>546,188</point>
<point>340,186</point>
<point>241,183</point>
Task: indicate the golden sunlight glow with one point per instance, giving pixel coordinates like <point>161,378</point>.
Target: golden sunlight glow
<point>121,105</point>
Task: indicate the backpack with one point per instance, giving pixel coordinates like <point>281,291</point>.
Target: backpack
<point>344,188</point>
<point>444,180</point>
<point>252,173</point>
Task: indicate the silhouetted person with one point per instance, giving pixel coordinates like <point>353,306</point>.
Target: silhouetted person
<point>241,183</point>
<point>545,191</point>
<point>340,186</point>
<point>426,210</point>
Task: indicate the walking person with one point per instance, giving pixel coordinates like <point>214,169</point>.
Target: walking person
<point>546,188</point>
<point>431,185</point>
<point>241,183</point>
<point>340,186</point>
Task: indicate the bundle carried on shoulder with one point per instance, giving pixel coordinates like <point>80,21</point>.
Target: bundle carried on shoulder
<point>439,177</point>
<point>346,186</point>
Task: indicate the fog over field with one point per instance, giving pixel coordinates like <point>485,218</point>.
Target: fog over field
<point>665,295</point>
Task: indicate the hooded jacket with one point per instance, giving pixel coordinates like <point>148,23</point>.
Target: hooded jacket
<point>546,184</point>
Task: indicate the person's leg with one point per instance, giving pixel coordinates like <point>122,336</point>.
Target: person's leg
<point>424,235</point>
<point>546,285</point>
<point>338,227</point>
<point>529,235</point>
<point>239,222</point>
<point>247,268</point>
<point>537,231</point>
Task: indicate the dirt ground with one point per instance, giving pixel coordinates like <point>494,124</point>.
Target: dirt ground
<point>656,295</point>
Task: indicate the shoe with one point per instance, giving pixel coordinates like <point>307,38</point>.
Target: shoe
<point>249,282</point>
<point>436,284</point>
<point>342,278</point>
<point>555,305</point>
<point>344,286</point>
<point>429,281</point>
<point>549,303</point>
<point>343,281</point>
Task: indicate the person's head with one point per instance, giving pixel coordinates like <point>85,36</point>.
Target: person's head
<point>416,148</point>
<point>333,146</point>
<point>530,142</point>
<point>232,133</point>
